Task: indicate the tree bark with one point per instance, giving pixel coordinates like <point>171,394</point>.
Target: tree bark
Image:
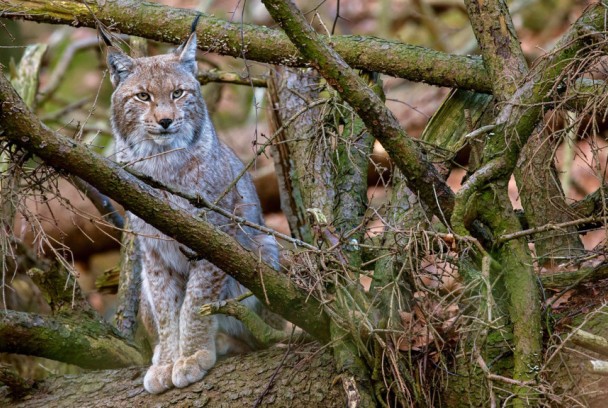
<point>302,378</point>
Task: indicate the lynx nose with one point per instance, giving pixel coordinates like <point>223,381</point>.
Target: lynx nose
<point>165,123</point>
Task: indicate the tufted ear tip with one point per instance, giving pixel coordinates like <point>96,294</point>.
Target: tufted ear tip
<point>195,23</point>
<point>104,37</point>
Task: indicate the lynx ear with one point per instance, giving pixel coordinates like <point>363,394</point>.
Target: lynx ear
<point>187,54</point>
<point>120,64</point>
<point>187,51</point>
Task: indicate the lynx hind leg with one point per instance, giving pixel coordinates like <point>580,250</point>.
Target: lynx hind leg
<point>197,334</point>
<point>226,344</point>
<point>273,320</point>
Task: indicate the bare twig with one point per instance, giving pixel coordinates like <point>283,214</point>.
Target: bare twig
<point>64,63</point>
<point>495,377</point>
<point>547,227</point>
<point>260,398</point>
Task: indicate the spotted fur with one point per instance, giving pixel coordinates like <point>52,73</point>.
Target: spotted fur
<point>162,128</point>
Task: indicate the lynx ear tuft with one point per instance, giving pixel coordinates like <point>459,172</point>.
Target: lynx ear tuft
<point>120,64</point>
<point>104,36</point>
<point>195,23</point>
<point>187,51</point>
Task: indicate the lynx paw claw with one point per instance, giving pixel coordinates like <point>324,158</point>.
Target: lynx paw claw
<point>188,370</point>
<point>158,378</point>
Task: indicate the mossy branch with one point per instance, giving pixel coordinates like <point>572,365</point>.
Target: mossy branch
<point>75,338</point>
<point>263,333</point>
<point>590,341</point>
<point>257,43</point>
<point>506,65</point>
<point>207,76</point>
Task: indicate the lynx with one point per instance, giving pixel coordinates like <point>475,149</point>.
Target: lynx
<point>162,129</point>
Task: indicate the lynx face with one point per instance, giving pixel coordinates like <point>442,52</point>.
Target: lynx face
<point>157,102</point>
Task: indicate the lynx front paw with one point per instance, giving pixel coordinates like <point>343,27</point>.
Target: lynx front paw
<point>188,370</point>
<point>158,378</point>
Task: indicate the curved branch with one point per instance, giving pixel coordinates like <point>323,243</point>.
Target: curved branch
<point>257,43</point>
<point>92,343</point>
<point>22,128</point>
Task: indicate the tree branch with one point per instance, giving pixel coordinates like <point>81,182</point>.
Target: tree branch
<point>262,331</point>
<point>306,378</point>
<point>172,25</point>
<point>590,341</point>
<point>92,343</point>
<point>21,127</point>
<point>207,76</point>
<point>422,176</point>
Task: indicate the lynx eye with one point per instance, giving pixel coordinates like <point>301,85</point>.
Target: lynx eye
<point>143,96</point>
<point>177,93</point>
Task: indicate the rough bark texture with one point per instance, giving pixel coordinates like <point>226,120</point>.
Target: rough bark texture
<point>500,48</point>
<point>169,24</point>
<point>305,378</point>
<point>301,156</point>
<point>354,147</point>
<point>316,183</point>
<point>129,285</point>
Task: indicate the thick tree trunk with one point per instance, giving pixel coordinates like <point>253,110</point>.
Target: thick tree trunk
<point>303,379</point>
